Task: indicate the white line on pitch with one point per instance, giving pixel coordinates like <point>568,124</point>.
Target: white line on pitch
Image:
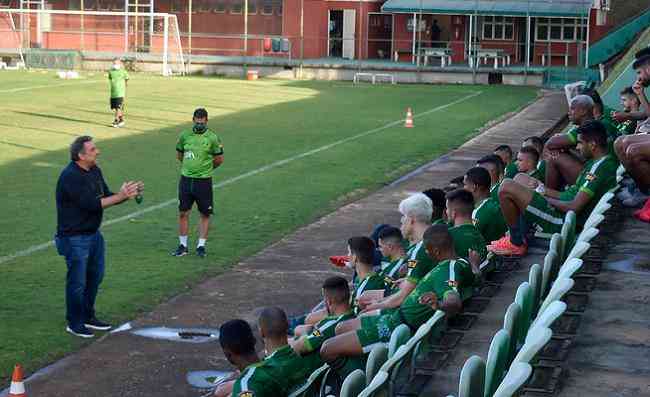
<point>40,247</point>
<point>34,87</point>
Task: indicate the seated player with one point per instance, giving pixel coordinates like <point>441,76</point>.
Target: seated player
<point>416,218</point>
<point>391,245</point>
<point>603,114</point>
<point>494,165</point>
<point>466,237</point>
<point>487,215</point>
<point>336,295</point>
<point>630,104</point>
<point>527,163</point>
<point>562,166</point>
<point>505,154</point>
<point>642,117</point>
<point>238,345</point>
<point>438,201</point>
<point>543,207</point>
<point>537,143</point>
<point>438,290</point>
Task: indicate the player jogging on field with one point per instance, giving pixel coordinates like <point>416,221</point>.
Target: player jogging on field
<point>200,151</point>
<point>117,78</point>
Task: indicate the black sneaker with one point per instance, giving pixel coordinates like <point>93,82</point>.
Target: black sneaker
<point>80,331</point>
<point>93,323</point>
<point>180,251</point>
<point>200,251</point>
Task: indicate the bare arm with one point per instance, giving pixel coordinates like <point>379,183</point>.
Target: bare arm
<point>394,300</point>
<point>559,142</point>
<point>217,161</point>
<point>451,303</point>
<point>179,156</point>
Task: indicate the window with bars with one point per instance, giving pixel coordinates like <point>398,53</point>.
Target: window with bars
<point>267,7</point>
<point>219,6</point>
<point>252,6</point>
<point>236,6</point>
<point>498,28</point>
<point>560,29</point>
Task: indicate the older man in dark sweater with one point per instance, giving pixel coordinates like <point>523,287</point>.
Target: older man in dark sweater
<point>81,196</point>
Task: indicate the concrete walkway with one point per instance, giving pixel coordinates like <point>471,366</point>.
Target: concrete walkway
<point>287,274</point>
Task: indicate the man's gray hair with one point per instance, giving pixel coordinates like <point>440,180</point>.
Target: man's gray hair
<point>583,101</point>
<point>417,206</point>
<point>78,146</point>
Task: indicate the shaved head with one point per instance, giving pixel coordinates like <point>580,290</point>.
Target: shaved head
<point>273,323</point>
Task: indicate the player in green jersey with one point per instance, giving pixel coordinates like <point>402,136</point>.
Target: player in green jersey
<point>361,252</point>
<point>437,290</point>
<point>200,151</point>
<point>466,237</point>
<point>528,163</point>
<point>505,154</point>
<point>486,215</point>
<point>538,144</point>
<point>630,104</point>
<point>494,165</point>
<point>438,202</point>
<point>391,247</point>
<point>117,78</point>
<point>543,207</point>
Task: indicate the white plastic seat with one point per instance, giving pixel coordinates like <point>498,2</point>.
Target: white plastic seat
<point>375,384</point>
<point>569,268</point>
<point>578,250</point>
<point>546,318</point>
<point>593,220</point>
<point>517,375</point>
<point>560,287</point>
<point>537,338</point>
<point>588,234</point>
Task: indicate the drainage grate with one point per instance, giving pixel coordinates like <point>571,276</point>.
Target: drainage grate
<point>566,325</point>
<point>556,350</point>
<point>591,267</point>
<point>489,290</point>
<point>584,283</point>
<point>509,264</point>
<point>448,341</point>
<point>431,362</point>
<point>497,277</point>
<point>414,386</point>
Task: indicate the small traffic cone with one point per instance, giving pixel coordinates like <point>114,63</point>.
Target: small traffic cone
<point>17,388</point>
<point>408,123</point>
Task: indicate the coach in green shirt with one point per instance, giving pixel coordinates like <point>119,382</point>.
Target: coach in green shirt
<point>200,151</point>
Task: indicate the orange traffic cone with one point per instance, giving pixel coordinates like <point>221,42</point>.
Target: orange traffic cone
<point>408,123</point>
<point>17,388</point>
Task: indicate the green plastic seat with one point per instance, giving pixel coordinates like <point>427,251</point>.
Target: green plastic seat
<point>517,375</point>
<point>593,220</point>
<point>524,298</point>
<point>535,282</point>
<point>472,378</point>
<point>377,385</point>
<point>546,318</point>
<point>588,234</point>
<point>569,268</point>
<point>577,251</point>
<point>547,274</point>
<point>559,288</point>
<point>399,337</point>
<point>535,341</point>
<point>353,384</point>
<point>312,384</point>
<point>510,321</point>
<point>497,361</point>
<point>568,233</point>
<point>377,357</point>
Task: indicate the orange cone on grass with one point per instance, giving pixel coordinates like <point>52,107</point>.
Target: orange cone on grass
<point>17,388</point>
<point>408,123</point>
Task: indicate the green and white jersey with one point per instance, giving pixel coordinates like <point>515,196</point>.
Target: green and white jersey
<point>466,237</point>
<point>540,171</point>
<point>627,127</point>
<point>324,330</point>
<point>391,271</point>
<point>198,152</point>
<point>610,128</point>
<point>372,281</point>
<point>494,191</point>
<point>511,170</point>
<point>276,374</point>
<point>438,221</point>
<point>448,276</point>
<point>117,80</point>
<point>488,219</point>
<point>418,262</point>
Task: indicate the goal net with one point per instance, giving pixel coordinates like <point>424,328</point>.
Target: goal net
<point>64,39</point>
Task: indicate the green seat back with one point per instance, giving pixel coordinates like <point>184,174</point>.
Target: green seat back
<point>517,375</point>
<point>377,357</point>
<point>535,281</point>
<point>353,384</point>
<point>510,321</point>
<point>568,233</point>
<point>399,337</point>
<point>547,274</point>
<point>497,362</point>
<point>524,299</point>
<point>472,378</point>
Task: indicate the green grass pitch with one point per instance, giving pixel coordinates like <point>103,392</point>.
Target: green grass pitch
<point>337,138</point>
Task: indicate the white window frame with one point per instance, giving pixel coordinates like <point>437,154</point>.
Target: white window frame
<point>214,9</point>
<point>264,4</point>
<point>255,5</point>
<point>576,24</point>
<point>498,20</point>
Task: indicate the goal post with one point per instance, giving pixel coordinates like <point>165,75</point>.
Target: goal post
<point>62,38</point>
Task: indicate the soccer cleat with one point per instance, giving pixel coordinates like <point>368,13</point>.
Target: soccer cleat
<point>180,251</point>
<point>94,323</point>
<point>340,260</point>
<point>200,252</point>
<point>505,247</point>
<point>80,331</point>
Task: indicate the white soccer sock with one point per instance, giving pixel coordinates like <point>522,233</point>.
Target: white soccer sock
<point>201,243</point>
<point>183,240</point>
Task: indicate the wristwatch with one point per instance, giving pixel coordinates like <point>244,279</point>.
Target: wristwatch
<point>540,189</point>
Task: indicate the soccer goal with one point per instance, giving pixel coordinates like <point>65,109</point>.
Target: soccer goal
<point>62,39</point>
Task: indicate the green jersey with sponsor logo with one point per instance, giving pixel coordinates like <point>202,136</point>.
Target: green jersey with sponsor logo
<point>117,80</point>
<point>418,262</point>
<point>324,330</point>
<point>198,152</point>
<point>466,237</point>
<point>488,219</point>
<point>372,281</point>
<point>511,170</point>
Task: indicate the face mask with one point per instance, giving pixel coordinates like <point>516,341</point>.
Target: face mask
<point>199,128</point>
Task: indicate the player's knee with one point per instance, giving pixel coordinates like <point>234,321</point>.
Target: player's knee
<point>184,214</point>
<point>328,350</point>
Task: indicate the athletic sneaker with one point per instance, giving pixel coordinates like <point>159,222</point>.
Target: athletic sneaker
<point>200,252</point>
<point>115,124</point>
<point>121,123</point>
<point>636,199</point>
<point>505,247</point>
<point>180,251</point>
<point>94,323</point>
<point>80,331</point>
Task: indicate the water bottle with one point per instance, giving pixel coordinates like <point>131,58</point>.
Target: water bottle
<point>139,198</point>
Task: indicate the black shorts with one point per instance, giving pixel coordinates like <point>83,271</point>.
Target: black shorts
<point>197,190</point>
<point>117,103</point>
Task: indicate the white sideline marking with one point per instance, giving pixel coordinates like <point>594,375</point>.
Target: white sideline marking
<point>40,247</point>
<point>34,87</point>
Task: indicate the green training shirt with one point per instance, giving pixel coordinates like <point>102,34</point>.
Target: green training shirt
<point>276,375</point>
<point>511,170</point>
<point>324,330</point>
<point>540,172</point>
<point>372,281</point>
<point>198,152</point>
<point>418,262</point>
<point>117,80</point>
<point>494,191</point>
<point>466,237</point>
<point>488,219</point>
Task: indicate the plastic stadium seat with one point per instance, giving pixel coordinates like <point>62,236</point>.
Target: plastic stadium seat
<point>524,298</point>
<point>568,233</point>
<point>535,282</point>
<point>578,250</point>
<point>555,246</point>
<point>472,378</point>
<point>377,357</point>
<point>588,234</point>
<point>593,220</point>
<point>426,328</point>
<point>313,382</point>
<point>560,287</point>
<point>510,321</point>
<point>497,361</point>
<point>353,384</point>
<point>546,318</point>
<point>399,337</point>
<point>514,380</point>
<point>535,341</point>
<point>569,268</point>
<point>547,274</point>
<point>601,208</point>
<point>377,383</point>
<point>620,170</point>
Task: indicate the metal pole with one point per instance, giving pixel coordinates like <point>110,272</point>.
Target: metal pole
<point>165,46</point>
<point>528,25</point>
<point>83,26</point>
<point>135,26</point>
<point>151,22</point>
<point>245,27</point>
<point>414,22</point>
<point>469,43</point>
<point>587,41</point>
<point>126,26</point>
<point>419,46</point>
<point>302,32</point>
<point>189,33</point>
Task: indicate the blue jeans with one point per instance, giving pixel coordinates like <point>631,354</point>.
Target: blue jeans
<point>84,256</point>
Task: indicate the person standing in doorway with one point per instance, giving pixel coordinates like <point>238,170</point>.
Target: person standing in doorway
<point>81,197</point>
<point>200,151</point>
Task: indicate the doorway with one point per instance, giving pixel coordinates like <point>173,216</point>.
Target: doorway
<point>341,36</point>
